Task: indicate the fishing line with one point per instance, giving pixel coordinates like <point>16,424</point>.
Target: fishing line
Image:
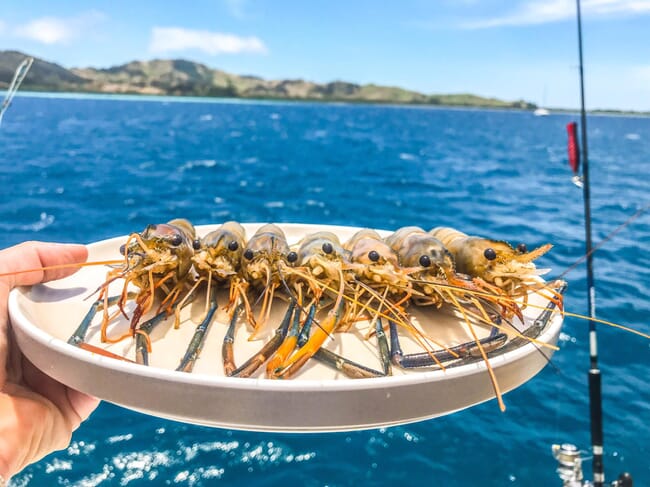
<point>627,222</point>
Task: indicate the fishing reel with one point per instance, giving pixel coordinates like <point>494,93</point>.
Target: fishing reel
<point>569,468</point>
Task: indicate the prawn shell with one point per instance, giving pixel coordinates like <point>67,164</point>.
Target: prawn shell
<point>215,254</point>
<point>411,243</point>
<point>360,235</point>
<point>469,255</point>
<point>161,237</point>
<point>311,246</point>
<point>184,225</point>
<point>269,246</point>
<point>359,253</point>
<point>269,239</point>
<point>383,268</point>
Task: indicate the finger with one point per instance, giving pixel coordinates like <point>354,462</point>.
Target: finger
<point>74,406</point>
<point>83,404</point>
<point>35,255</point>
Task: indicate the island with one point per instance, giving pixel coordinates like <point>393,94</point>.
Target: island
<point>179,77</point>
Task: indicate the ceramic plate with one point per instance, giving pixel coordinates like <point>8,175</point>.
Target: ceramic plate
<point>319,398</point>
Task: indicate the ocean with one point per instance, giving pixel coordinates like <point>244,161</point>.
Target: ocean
<point>83,169</point>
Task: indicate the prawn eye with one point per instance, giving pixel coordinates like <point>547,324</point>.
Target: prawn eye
<point>176,240</point>
<point>196,244</point>
<point>232,246</point>
<point>425,261</point>
<point>521,248</point>
<point>122,249</point>
<point>248,253</point>
<point>327,248</point>
<point>490,254</point>
<point>292,257</point>
<point>373,255</point>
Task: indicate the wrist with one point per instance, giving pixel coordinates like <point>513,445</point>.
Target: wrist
<point>31,427</point>
<point>7,448</point>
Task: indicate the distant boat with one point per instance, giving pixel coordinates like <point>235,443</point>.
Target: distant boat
<point>541,112</point>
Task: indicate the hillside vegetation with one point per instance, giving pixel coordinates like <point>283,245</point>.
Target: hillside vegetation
<point>186,78</point>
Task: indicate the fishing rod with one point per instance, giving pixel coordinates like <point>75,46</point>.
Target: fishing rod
<point>19,76</point>
<point>568,457</point>
<point>595,389</point>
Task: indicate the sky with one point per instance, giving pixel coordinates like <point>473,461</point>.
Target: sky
<point>517,49</point>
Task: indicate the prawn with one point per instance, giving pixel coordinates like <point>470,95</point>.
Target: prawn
<point>216,261</point>
<point>157,260</point>
<point>319,269</point>
<point>497,263</point>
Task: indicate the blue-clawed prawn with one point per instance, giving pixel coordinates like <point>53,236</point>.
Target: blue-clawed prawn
<point>497,263</point>
<point>157,261</point>
<point>217,262</point>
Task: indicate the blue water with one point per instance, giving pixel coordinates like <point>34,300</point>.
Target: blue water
<point>81,170</point>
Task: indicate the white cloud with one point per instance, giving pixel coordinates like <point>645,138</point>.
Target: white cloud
<point>58,30</point>
<point>541,12</point>
<point>47,30</point>
<point>167,39</point>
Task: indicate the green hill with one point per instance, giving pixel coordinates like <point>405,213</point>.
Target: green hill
<point>187,78</point>
<point>43,76</point>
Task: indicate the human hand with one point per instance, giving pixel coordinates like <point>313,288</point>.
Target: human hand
<point>37,413</point>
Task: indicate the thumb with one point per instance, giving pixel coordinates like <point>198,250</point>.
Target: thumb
<point>36,255</point>
<point>26,256</point>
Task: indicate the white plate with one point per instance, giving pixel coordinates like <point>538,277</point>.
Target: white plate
<point>318,399</point>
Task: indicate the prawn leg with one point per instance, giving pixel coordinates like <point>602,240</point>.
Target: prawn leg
<point>142,339</point>
<point>227,351</point>
<point>312,345</point>
<point>143,332</point>
<point>347,367</point>
<point>351,369</point>
<point>460,352</point>
<point>253,363</point>
<point>384,350</point>
<point>79,335</point>
<point>196,344</point>
<point>286,347</point>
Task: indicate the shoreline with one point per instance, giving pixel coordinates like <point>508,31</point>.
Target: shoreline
<point>76,95</point>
